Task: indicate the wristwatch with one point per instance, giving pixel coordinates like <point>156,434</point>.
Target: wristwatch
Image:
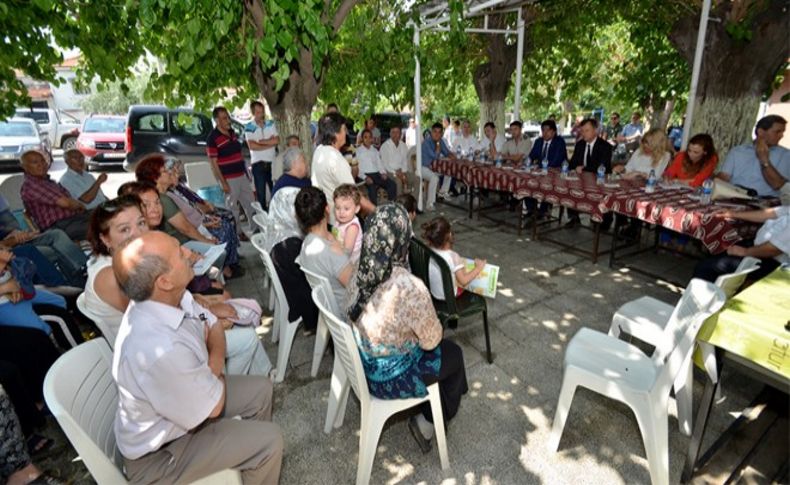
<point>764,164</point>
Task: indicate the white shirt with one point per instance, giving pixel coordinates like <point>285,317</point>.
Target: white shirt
<point>642,163</point>
<point>499,142</point>
<point>255,132</point>
<point>107,317</point>
<point>79,183</point>
<point>467,143</point>
<point>369,160</point>
<point>394,157</point>
<point>777,232</point>
<point>455,263</point>
<point>589,147</point>
<point>329,170</point>
<point>160,363</point>
<point>411,137</point>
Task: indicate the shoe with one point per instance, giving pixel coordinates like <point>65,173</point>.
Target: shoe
<point>423,442</point>
<point>454,192</point>
<point>243,237</point>
<point>572,222</point>
<point>442,195</point>
<point>236,271</point>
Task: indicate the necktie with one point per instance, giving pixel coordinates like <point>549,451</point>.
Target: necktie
<point>588,153</point>
<point>545,150</point>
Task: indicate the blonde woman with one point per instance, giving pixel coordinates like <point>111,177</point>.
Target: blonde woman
<point>654,153</point>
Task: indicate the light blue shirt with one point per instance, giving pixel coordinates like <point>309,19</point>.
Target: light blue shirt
<point>632,129</point>
<point>744,169</point>
<point>77,184</point>
<point>429,151</point>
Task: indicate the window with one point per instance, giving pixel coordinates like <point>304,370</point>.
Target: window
<point>153,122</point>
<point>190,124</point>
<point>41,117</point>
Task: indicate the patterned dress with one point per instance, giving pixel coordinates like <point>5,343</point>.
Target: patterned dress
<point>13,450</point>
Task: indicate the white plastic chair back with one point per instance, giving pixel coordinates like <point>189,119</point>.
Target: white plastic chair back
<point>316,280</point>
<point>108,332</point>
<point>262,220</point>
<point>281,305</point>
<point>732,282</point>
<point>345,345</point>
<point>81,393</point>
<point>199,175</point>
<point>256,206</point>
<point>11,189</point>
<point>700,300</point>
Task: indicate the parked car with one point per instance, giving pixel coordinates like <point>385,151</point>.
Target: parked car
<point>385,121</point>
<point>62,129</point>
<point>18,135</point>
<point>102,139</point>
<point>179,132</point>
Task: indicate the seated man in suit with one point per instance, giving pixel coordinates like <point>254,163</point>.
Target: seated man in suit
<point>549,146</point>
<point>589,153</point>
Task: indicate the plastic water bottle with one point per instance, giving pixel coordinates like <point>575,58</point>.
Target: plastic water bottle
<point>498,160</point>
<point>650,186</point>
<point>707,191</point>
<point>600,177</point>
<point>544,166</point>
<point>564,169</point>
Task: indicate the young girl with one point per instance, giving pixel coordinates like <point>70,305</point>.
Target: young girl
<point>439,236</point>
<point>348,230</point>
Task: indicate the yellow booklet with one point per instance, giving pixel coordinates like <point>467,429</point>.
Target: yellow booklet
<point>486,282</point>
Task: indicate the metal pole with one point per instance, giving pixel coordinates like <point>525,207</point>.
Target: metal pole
<point>700,49</point>
<point>519,65</point>
<point>417,113</point>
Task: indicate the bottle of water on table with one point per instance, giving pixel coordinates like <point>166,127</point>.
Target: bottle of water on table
<point>707,191</point>
<point>650,186</point>
<point>564,169</point>
<point>498,160</point>
<point>544,166</point>
<point>600,176</point>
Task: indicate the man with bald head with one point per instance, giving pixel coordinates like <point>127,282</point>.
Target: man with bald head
<point>176,407</point>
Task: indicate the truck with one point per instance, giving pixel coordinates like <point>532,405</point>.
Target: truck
<point>63,129</point>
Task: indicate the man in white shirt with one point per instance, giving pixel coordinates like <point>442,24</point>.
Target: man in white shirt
<point>262,138</point>
<point>447,131</point>
<point>395,157</point>
<point>411,134</point>
<point>175,419</point>
<point>493,142</point>
<point>373,171</point>
<point>80,183</point>
<point>467,142</point>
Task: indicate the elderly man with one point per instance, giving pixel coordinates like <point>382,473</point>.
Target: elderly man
<point>277,166</point>
<point>517,148</point>
<point>763,166</point>
<point>395,158</point>
<point>297,174</point>
<point>175,420</point>
<point>82,185</point>
<point>434,148</point>
<point>49,203</point>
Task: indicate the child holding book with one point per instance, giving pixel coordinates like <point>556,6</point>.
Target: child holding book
<point>439,236</point>
<point>348,229</point>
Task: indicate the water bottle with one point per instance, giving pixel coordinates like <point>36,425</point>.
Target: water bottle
<point>498,160</point>
<point>650,186</point>
<point>564,169</point>
<point>544,166</point>
<point>707,191</point>
<point>600,178</point>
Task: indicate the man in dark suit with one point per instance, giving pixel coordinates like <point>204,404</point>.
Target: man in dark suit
<point>549,146</point>
<point>588,154</point>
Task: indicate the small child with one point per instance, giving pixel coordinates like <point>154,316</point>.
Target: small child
<point>439,235</point>
<point>348,230</point>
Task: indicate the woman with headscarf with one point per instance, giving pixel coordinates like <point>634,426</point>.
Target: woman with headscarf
<point>284,243</point>
<point>399,336</point>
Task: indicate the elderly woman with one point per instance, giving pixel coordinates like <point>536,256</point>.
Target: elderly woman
<point>400,337</point>
<point>295,170</point>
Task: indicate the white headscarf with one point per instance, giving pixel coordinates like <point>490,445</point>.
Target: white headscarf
<point>282,217</point>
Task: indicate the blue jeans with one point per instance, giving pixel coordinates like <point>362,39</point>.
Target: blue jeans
<point>262,177</point>
<point>46,272</point>
<point>61,251</point>
<point>22,315</point>
<point>378,181</point>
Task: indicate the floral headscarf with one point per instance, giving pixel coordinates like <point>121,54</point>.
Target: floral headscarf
<point>385,244</point>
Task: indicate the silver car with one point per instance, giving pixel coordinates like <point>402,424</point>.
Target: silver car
<point>18,135</point>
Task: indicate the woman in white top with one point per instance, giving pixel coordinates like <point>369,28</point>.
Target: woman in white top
<point>113,224</point>
<point>654,153</point>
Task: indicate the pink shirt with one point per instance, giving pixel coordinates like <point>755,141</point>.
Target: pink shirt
<point>341,236</point>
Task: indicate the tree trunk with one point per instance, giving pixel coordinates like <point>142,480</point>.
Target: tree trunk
<point>492,78</point>
<point>659,113</point>
<point>738,66</point>
<point>493,111</point>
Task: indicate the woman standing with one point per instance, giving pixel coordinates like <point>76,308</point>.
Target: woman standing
<point>400,337</point>
<point>696,164</point>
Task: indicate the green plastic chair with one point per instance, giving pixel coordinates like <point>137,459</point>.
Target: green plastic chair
<point>452,308</point>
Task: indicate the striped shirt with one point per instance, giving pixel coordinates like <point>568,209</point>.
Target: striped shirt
<point>227,150</point>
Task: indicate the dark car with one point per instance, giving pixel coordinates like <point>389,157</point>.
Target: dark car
<point>385,121</point>
<point>179,132</point>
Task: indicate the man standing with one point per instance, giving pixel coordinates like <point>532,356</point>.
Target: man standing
<point>589,153</point>
<point>763,166</point>
<point>395,158</point>
<point>227,162</point>
<point>262,139</point>
<point>411,134</point>
<point>81,184</point>
<point>49,203</point>
<point>434,148</point>
<point>175,420</point>
<point>549,146</point>
<point>373,170</point>
<point>517,147</point>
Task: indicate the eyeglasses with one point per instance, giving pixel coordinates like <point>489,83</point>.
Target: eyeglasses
<point>121,202</point>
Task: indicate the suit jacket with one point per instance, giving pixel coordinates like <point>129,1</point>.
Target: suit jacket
<point>556,154</point>
<point>601,153</point>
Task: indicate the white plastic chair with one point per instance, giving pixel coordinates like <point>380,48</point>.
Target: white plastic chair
<point>11,189</point>
<point>262,220</point>
<point>82,395</point>
<point>63,328</point>
<point>109,333</point>
<point>621,371</point>
<point>375,412</point>
<point>199,175</point>
<point>256,206</point>
<point>264,223</point>
<point>282,330</point>
<point>316,280</point>
<point>645,319</point>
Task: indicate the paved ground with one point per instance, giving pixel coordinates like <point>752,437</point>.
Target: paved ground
<point>501,431</point>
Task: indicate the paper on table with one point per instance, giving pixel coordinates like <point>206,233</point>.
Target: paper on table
<point>486,281</point>
<point>209,258</point>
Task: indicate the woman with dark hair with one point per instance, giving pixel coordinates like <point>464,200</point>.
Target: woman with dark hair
<point>321,252</point>
<point>400,337</point>
<point>696,164</point>
<point>330,169</point>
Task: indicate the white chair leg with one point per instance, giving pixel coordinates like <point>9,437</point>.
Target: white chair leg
<point>284,349</point>
<point>683,385</point>
<point>369,432</point>
<point>271,297</point>
<point>341,408</point>
<point>438,424</point>
<point>338,386</point>
<point>614,330</point>
<point>652,419</point>
<point>321,341</point>
<point>561,414</point>
<point>276,326</point>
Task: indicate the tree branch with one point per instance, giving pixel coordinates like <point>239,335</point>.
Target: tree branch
<point>341,14</point>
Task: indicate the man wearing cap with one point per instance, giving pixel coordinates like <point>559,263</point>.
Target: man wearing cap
<point>82,185</point>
